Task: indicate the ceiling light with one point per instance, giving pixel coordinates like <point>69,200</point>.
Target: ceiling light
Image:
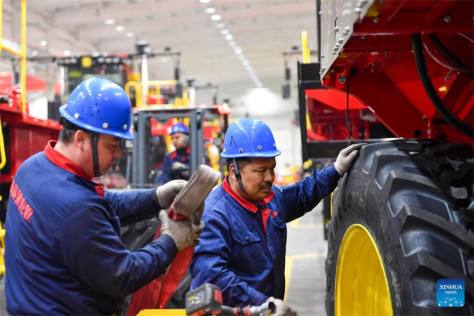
<point>232,43</point>
<point>238,51</point>
<point>225,31</point>
<point>43,43</point>
<point>129,34</point>
<point>229,37</point>
<point>109,21</point>
<point>67,52</point>
<point>210,10</point>
<point>204,1</point>
<point>119,28</point>
<point>216,17</point>
<point>220,25</point>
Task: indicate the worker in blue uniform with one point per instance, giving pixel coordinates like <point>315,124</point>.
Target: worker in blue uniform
<point>176,163</point>
<point>242,247</point>
<point>63,253</point>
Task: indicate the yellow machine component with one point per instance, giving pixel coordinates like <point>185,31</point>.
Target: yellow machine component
<point>2,248</point>
<point>153,89</point>
<point>3,156</point>
<point>305,47</point>
<point>213,154</point>
<point>21,54</point>
<point>162,312</point>
<point>361,284</point>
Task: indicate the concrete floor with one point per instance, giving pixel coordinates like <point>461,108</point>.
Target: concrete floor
<point>305,274</point>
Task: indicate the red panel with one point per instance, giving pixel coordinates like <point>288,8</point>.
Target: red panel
<point>27,136</point>
<point>387,79</point>
<point>335,99</point>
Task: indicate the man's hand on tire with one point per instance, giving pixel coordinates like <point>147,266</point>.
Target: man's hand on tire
<point>346,157</point>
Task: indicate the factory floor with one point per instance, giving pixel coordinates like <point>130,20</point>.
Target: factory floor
<point>305,274</point>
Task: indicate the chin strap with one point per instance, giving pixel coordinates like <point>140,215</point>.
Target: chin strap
<point>239,178</point>
<point>95,154</point>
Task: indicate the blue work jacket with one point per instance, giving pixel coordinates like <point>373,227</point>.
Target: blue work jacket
<point>63,252</point>
<point>243,245</point>
<point>180,155</point>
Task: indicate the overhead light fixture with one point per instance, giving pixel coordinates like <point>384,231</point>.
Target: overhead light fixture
<point>204,1</point>
<point>225,31</point>
<point>210,10</point>
<point>238,51</point>
<point>67,52</point>
<point>220,25</point>
<point>119,28</point>
<point>129,34</point>
<point>216,17</point>
<point>229,37</point>
<point>43,43</point>
<point>109,21</point>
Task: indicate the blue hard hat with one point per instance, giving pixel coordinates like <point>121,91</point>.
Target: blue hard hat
<point>179,128</point>
<point>101,106</point>
<point>249,138</point>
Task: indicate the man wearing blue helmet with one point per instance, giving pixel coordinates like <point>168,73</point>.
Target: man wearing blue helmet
<point>64,254</point>
<point>243,245</point>
<point>176,163</point>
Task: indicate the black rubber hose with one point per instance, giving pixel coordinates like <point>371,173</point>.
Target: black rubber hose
<point>449,56</point>
<point>430,90</point>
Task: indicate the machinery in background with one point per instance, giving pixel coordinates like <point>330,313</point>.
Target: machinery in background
<point>21,135</point>
<point>402,217</point>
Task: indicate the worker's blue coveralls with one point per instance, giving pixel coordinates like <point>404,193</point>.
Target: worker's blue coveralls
<point>63,253</point>
<point>242,247</point>
<point>167,174</point>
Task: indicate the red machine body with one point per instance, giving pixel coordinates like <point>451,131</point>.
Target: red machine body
<point>380,50</point>
<point>23,136</point>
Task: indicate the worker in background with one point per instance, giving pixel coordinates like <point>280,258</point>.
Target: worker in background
<point>63,249</point>
<point>176,163</point>
<point>242,247</point>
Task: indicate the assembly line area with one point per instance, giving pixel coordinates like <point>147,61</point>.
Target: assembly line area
<point>237,157</point>
<point>306,255</point>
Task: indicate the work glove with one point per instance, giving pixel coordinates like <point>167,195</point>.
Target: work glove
<point>281,308</point>
<point>346,157</point>
<point>168,191</point>
<point>184,233</point>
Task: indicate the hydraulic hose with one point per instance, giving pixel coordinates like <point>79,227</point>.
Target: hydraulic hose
<point>430,90</point>
<point>449,56</point>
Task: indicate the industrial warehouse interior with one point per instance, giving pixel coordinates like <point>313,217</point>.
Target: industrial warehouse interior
<point>326,148</point>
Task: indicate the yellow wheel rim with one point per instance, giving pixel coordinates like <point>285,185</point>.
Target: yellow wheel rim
<point>361,284</point>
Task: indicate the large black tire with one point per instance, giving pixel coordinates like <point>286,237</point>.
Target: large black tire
<point>415,198</point>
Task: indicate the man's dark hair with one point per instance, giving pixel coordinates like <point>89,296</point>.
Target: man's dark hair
<point>68,130</point>
<point>242,162</point>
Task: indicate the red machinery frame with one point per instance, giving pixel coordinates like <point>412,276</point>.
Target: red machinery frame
<point>382,52</point>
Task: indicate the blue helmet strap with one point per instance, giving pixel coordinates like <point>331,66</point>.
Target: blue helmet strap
<point>95,154</point>
<point>239,178</point>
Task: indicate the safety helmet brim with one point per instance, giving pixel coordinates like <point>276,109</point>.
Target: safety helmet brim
<point>126,134</point>
<point>249,138</point>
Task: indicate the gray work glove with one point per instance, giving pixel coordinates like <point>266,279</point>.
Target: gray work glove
<point>178,166</point>
<point>346,157</point>
<point>281,308</point>
<point>184,233</point>
<point>167,192</point>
